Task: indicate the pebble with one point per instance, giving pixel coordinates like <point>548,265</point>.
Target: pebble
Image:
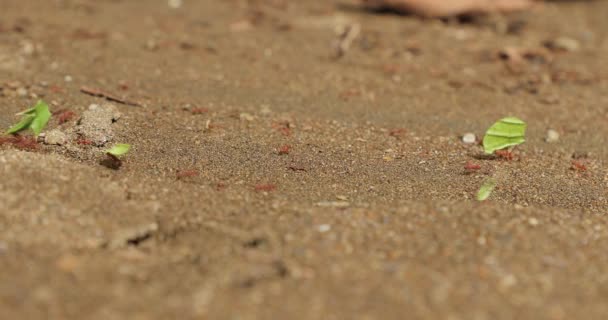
<point>507,281</point>
<point>388,158</point>
<point>324,228</point>
<point>533,221</point>
<point>28,48</point>
<point>22,92</point>
<point>551,136</point>
<point>469,138</point>
<point>151,44</point>
<point>55,137</point>
<point>563,44</point>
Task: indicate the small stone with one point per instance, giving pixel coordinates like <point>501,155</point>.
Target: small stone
<point>507,282</point>
<point>533,222</point>
<point>469,138</point>
<point>55,137</point>
<point>68,78</point>
<point>28,48</point>
<point>151,44</point>
<point>562,44</point>
<point>551,136</point>
<point>22,92</point>
<point>324,228</point>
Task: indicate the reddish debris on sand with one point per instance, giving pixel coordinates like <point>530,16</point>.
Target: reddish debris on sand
<point>83,141</point>
<point>578,165</point>
<point>391,69</point>
<point>284,149</point>
<point>397,132</point>
<point>199,110</point>
<point>220,186</point>
<point>64,115</point>
<point>265,187</point>
<point>285,131</point>
<point>187,174</point>
<point>283,127</point>
<point>214,125</point>
<point>471,167</point>
<point>504,154</point>
<point>4,140</point>
<point>56,89</point>
<point>346,94</point>
<point>20,142</point>
<point>26,143</point>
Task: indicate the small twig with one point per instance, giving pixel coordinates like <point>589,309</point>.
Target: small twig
<point>294,167</point>
<point>108,96</point>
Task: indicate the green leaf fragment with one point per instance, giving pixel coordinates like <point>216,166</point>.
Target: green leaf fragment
<point>41,118</point>
<point>25,123</point>
<point>507,132</point>
<point>119,149</point>
<point>486,189</point>
<point>34,118</point>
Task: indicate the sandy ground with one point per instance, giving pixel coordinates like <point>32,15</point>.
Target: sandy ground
<point>274,176</point>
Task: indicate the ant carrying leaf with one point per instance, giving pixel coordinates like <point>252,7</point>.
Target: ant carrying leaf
<point>505,133</point>
<point>113,161</point>
<point>34,118</point>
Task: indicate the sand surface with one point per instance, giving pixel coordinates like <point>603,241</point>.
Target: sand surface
<point>274,175</point>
